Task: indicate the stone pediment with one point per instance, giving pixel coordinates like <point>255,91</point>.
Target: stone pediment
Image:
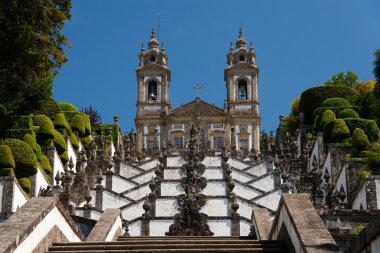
<point>198,106</point>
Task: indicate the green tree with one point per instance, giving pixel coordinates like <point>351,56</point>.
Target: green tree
<point>359,139</point>
<point>376,63</point>
<point>32,51</point>
<point>349,79</point>
<point>376,91</point>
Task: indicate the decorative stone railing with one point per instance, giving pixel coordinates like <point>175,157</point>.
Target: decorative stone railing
<point>299,225</point>
<point>108,227</point>
<point>36,225</point>
<point>12,196</point>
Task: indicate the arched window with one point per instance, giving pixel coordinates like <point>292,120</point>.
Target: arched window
<point>152,91</point>
<point>153,58</point>
<point>241,58</point>
<point>242,90</point>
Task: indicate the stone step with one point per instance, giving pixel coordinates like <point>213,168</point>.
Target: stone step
<point>192,250</point>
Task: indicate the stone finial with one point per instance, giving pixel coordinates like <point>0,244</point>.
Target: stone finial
<point>153,42</point>
<point>115,119</point>
<point>240,42</point>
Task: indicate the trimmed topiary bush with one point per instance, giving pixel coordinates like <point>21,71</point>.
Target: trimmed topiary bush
<point>312,98</point>
<point>64,157</point>
<point>45,164</point>
<point>6,157</point>
<point>31,141</point>
<point>50,108</point>
<point>25,184</point>
<point>86,140</point>
<point>335,102</point>
<point>60,121</point>
<point>7,172</point>
<point>87,124</point>
<point>359,139</point>
<point>348,113</point>
<point>59,142</point>
<point>74,141</point>
<point>340,131</point>
<point>46,130</point>
<point>327,116</point>
<point>24,157</point>
<point>23,122</point>
<point>372,130</point>
<point>327,131</point>
<point>78,125</point>
<point>67,107</point>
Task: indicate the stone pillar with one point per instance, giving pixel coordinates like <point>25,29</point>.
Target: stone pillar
<point>49,152</point>
<point>7,200</point>
<point>99,197</point>
<point>370,188</point>
<point>140,138</point>
<point>109,175</point>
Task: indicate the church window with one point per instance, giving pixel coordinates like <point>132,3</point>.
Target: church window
<point>152,91</point>
<point>178,142</point>
<point>218,142</point>
<point>242,90</point>
<point>243,144</point>
<point>241,58</point>
<point>153,58</point>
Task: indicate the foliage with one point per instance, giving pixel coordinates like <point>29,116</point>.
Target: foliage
<point>95,117</point>
<point>7,172</point>
<point>348,113</point>
<point>31,51</point>
<point>327,131</point>
<point>340,131</point>
<point>376,63</point>
<point>86,140</point>
<point>23,122</point>
<point>31,141</point>
<point>46,131</point>
<point>335,102</point>
<point>312,98</point>
<point>64,157</point>
<point>74,141</point>
<point>60,121</point>
<point>359,229</point>
<point>45,164</point>
<point>6,157</point>
<point>349,79</point>
<point>363,175</point>
<point>25,159</point>
<point>67,107</point>
<point>78,125</point>
<point>50,108</point>
<point>25,184</point>
<point>59,142</point>
<point>326,117</point>
<point>372,131</point>
<point>115,133</point>
<point>359,139</point>
<point>87,124</point>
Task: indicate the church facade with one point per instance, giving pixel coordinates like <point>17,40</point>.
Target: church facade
<point>236,125</point>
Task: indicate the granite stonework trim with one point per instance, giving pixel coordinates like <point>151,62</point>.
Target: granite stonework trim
<point>105,225</point>
<point>311,234</point>
<point>22,223</point>
<point>54,235</point>
<point>366,237</point>
<point>261,220</point>
<point>6,201</point>
<point>370,190</point>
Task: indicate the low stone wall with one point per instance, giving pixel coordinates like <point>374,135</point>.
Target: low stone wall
<point>12,197</point>
<point>368,239</point>
<point>262,222</point>
<point>299,225</point>
<point>108,227</point>
<point>36,225</point>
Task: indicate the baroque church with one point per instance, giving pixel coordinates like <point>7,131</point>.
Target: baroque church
<point>236,125</point>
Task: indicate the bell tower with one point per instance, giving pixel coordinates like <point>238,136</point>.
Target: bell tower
<point>241,76</point>
<point>153,77</point>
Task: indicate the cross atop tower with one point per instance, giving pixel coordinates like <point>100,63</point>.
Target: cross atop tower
<point>197,88</point>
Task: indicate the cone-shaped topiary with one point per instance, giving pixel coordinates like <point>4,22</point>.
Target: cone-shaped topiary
<point>326,117</point>
<point>67,107</point>
<point>46,130</point>
<point>64,157</point>
<point>340,131</point>
<point>31,141</point>
<point>348,113</point>
<point>87,124</point>
<point>6,157</point>
<point>60,121</point>
<point>359,139</point>
<point>372,131</point>
<point>86,140</point>
<point>7,172</point>
<point>24,157</point>
<point>45,164</point>
<point>59,142</point>
<point>77,124</point>
<point>25,184</point>
<point>74,141</point>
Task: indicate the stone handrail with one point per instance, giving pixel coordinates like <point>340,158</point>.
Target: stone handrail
<point>108,227</point>
<point>36,225</point>
<point>299,225</point>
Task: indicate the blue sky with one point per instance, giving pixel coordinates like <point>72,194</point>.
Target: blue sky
<point>299,44</point>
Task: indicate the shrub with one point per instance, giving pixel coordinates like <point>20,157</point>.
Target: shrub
<point>6,157</point>
<point>327,116</point>
<point>18,133</point>
<point>45,164</point>
<point>312,98</point>
<point>348,113</point>
<point>74,141</point>
<point>86,140</point>
<point>327,131</point>
<point>7,172</point>
<point>59,142</point>
<point>50,108</point>
<point>363,175</point>
<point>67,107</point>
<point>359,139</point>
<point>31,141</point>
<point>340,131</point>
<point>23,122</point>
<point>60,121</point>
<point>46,130</point>
<point>62,131</point>
<point>115,133</point>
<point>87,124</point>
<point>335,102</point>
<point>38,152</point>
<point>25,159</point>
<point>25,184</point>
<point>64,157</point>
<point>78,125</point>
<point>372,130</point>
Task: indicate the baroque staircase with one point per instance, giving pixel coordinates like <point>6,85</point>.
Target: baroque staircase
<point>173,244</point>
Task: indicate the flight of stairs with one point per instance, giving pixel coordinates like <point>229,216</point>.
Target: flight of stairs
<point>178,244</point>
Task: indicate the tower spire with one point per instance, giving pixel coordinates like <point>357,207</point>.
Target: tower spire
<point>153,42</point>
<point>240,42</point>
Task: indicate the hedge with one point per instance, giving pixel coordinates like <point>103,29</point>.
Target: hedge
<point>335,102</point>
<point>348,113</point>
<point>327,131</point>
<point>45,164</point>
<point>336,110</point>
<point>74,141</point>
<point>60,122</point>
<point>359,139</point>
<point>87,124</point>
<point>25,184</point>
<point>115,133</point>
<point>64,157</point>
<point>327,116</point>
<point>25,159</point>
<point>368,126</point>
<point>18,133</point>
<point>372,130</point>
<point>31,141</point>
<point>312,98</point>
<point>78,125</point>
<point>46,130</point>
<point>86,140</point>
<point>67,107</point>
<point>7,172</point>
<point>340,131</point>
<point>23,122</point>
<point>6,157</point>
<point>59,142</point>
<point>50,108</point>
